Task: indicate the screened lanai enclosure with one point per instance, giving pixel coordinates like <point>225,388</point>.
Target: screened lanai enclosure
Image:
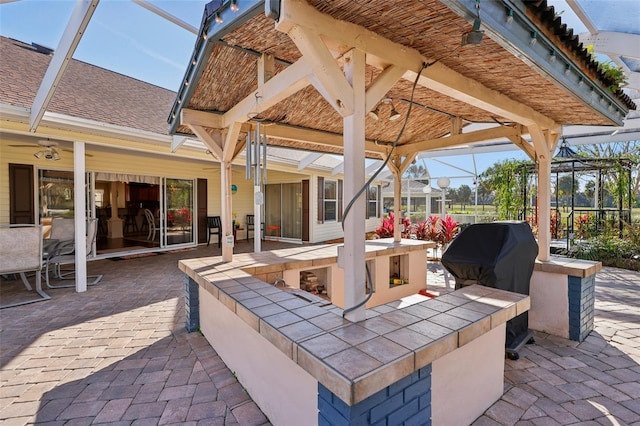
<point>590,196</point>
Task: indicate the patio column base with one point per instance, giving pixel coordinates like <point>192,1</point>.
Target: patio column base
<point>115,228</point>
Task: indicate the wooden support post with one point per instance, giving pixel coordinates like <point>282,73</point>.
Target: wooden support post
<point>354,179</point>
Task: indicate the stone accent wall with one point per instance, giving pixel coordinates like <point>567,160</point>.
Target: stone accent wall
<point>407,401</point>
<point>581,306</point>
<point>192,304</point>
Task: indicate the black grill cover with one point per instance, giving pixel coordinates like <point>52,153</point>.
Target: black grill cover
<point>498,255</point>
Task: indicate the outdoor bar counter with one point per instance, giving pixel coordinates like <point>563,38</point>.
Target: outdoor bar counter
<point>417,359</point>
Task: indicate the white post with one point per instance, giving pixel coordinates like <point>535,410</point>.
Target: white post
<point>443,184</point>
<point>79,203</point>
<point>354,179</point>
<point>397,206</point>
<point>225,217</point>
<point>427,199</point>
<point>544,205</point>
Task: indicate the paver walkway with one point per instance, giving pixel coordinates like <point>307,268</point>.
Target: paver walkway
<point>561,382</point>
<point>119,354</point>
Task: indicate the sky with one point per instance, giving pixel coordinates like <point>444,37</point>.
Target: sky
<point>127,38</point>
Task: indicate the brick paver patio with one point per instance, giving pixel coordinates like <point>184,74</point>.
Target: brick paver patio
<point>119,354</point>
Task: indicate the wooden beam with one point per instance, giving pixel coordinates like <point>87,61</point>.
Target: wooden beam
<point>347,34</point>
<point>461,139</point>
<point>381,85</point>
<point>333,84</point>
<point>316,136</point>
<point>213,143</point>
<point>231,141</point>
<point>524,145</point>
<point>437,76</point>
<point>266,68</point>
<point>444,80</point>
<point>201,118</point>
<point>456,125</point>
<point>284,84</point>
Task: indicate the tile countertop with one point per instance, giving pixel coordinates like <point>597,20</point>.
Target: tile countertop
<point>353,360</point>
<point>568,266</point>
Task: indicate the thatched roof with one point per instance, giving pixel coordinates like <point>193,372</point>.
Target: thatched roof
<point>227,70</point>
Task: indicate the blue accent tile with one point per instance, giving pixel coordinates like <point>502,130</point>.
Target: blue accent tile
<point>406,411</point>
<point>389,406</point>
<point>330,414</point>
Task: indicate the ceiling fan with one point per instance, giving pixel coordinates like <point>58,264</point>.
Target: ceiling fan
<point>48,150</point>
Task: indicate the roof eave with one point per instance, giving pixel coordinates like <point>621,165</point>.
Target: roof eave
<point>210,33</point>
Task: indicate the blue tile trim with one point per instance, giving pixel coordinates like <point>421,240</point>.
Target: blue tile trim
<point>581,306</point>
<point>408,402</point>
<point>192,304</point>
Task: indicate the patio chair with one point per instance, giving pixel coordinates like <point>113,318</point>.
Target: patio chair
<point>64,254</point>
<point>152,223</point>
<point>214,227</point>
<point>251,225</point>
<point>63,231</point>
<point>21,252</point>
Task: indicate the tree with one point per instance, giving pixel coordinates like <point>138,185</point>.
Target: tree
<point>415,171</point>
<point>504,179</point>
<point>565,186</point>
<point>590,190</point>
<point>464,195</point>
<point>616,182</point>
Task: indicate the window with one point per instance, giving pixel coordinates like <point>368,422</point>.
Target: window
<point>372,201</point>
<point>329,200</point>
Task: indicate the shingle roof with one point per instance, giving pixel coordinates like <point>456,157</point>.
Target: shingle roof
<point>85,91</point>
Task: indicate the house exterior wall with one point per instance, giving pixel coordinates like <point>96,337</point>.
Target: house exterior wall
<point>121,160</point>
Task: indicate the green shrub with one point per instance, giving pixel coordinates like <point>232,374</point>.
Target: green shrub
<point>612,250</point>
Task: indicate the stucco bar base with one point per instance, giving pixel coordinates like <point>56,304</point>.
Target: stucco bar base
<point>294,354</point>
<point>563,297</point>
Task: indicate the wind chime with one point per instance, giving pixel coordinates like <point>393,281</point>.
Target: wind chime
<point>256,168</point>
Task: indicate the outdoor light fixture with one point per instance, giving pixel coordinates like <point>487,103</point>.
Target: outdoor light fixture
<point>552,56</point>
<point>474,36</point>
<point>393,114</point>
<point>218,18</point>
<point>509,16</point>
<point>534,38</point>
<point>39,154</point>
<point>234,6</point>
<point>374,113</point>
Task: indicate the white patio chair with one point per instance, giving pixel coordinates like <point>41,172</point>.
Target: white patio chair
<point>64,254</point>
<point>153,224</point>
<point>21,252</point>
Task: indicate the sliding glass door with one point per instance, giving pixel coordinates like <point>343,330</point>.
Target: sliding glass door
<point>283,207</point>
<point>178,208</point>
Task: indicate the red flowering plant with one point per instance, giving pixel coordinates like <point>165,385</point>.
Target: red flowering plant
<point>583,225</point>
<point>437,230</point>
<point>449,229</point>
<point>385,230</point>
<point>180,217</point>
